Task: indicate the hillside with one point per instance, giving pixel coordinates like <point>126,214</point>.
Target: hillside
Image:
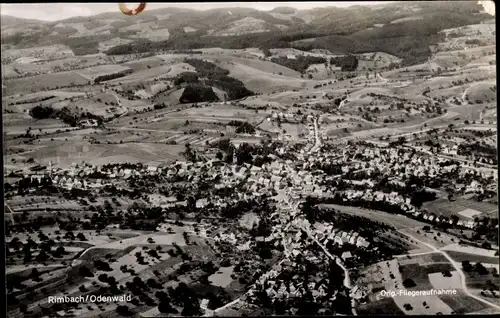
<point>356,29</point>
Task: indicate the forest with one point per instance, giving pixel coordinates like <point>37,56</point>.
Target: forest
<point>408,40</point>
<point>300,63</point>
<point>64,114</point>
<point>213,76</point>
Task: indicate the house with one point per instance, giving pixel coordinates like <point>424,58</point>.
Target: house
<point>346,255</point>
<point>352,240</point>
<point>152,169</point>
<point>339,240</point>
<point>201,203</point>
<point>362,242</point>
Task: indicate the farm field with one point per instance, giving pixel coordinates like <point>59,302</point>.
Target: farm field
<point>447,208</point>
<point>420,274</point>
<point>143,75</point>
<point>44,82</point>
<point>463,304</point>
<point>93,72</point>
<point>433,237</point>
<point>439,281</point>
<point>385,306</point>
<point>77,152</point>
<point>263,82</point>
<point>398,221</point>
<point>460,257</point>
<point>470,250</point>
<point>428,258</point>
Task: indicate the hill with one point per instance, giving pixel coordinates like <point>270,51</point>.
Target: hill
<point>356,29</point>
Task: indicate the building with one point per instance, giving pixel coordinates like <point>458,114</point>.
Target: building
<point>346,255</point>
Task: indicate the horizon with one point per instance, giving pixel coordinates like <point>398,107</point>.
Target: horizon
<point>45,11</point>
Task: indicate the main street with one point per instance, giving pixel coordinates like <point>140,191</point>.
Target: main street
<point>298,223</point>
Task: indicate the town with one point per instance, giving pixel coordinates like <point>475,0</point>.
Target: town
<point>252,176</point>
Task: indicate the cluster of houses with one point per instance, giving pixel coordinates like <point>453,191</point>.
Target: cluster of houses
<point>326,233</point>
<point>293,288</point>
<point>433,218</point>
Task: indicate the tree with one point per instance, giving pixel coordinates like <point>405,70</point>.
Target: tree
<point>60,251</point>
<point>85,272</point>
<point>466,266</point>
<point>486,245</point>
<point>35,275</point>
<point>42,256</point>
<point>408,283</point>
<point>124,311</point>
<point>191,308</point>
<point>103,278</point>
<point>480,269</point>
<point>195,93</point>
<point>81,237</point>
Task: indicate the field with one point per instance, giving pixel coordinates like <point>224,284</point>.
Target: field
<point>462,304</point>
<point>223,277</point>
<point>460,257</point>
<point>439,281</point>
<point>44,82</point>
<point>385,306</point>
<point>429,258</point>
<point>470,250</point>
<point>92,73</point>
<point>42,52</point>
<point>41,96</point>
<point>143,75</point>
<point>447,208</point>
<point>260,81</point>
<point>433,237</point>
<point>77,152</point>
<point>420,274</point>
<point>53,65</point>
<point>162,239</point>
<point>399,221</point>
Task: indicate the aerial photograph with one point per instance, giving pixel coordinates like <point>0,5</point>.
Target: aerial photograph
<point>250,159</point>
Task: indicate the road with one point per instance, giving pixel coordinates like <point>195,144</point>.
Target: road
<point>209,313</point>
<point>342,103</point>
<point>153,130</point>
<point>338,261</point>
<point>381,78</point>
<point>347,279</point>
<point>457,268</point>
<point>119,103</point>
<point>316,133</point>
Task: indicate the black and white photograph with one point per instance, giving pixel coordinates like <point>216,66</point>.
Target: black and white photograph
<point>239,159</point>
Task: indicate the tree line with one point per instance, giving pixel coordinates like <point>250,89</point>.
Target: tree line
<point>64,114</point>
<point>213,76</point>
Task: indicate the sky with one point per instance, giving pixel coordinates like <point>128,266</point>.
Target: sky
<point>60,11</point>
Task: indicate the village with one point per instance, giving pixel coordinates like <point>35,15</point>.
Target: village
<point>359,174</point>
